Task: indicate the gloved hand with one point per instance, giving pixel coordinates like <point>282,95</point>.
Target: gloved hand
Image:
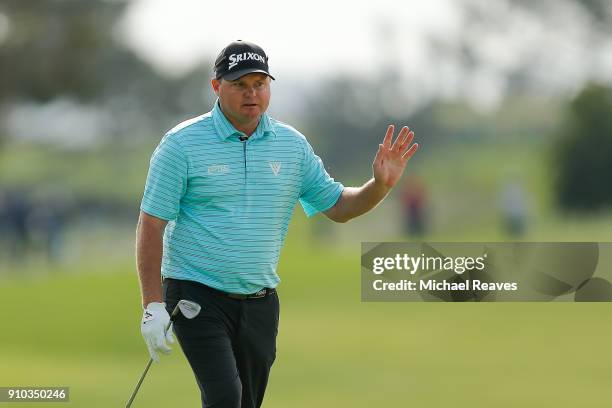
<point>155,319</point>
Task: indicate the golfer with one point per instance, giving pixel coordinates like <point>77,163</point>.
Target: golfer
<point>219,195</point>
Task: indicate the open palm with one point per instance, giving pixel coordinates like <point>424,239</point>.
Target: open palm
<point>391,159</point>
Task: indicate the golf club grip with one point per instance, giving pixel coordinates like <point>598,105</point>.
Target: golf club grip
<point>175,311</point>
<point>172,317</point>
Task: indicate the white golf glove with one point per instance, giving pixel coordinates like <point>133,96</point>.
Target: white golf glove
<point>155,319</point>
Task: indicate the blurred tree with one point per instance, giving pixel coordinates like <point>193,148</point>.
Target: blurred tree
<point>583,157</point>
<point>599,11</point>
<point>71,49</point>
<point>520,43</point>
<point>503,73</point>
<point>347,121</point>
<point>57,47</point>
<point>69,54</point>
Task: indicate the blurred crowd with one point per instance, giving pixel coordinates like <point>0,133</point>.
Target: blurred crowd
<point>29,224</point>
<point>513,208</point>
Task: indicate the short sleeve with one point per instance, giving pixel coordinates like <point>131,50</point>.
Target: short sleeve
<point>166,181</point>
<point>319,190</point>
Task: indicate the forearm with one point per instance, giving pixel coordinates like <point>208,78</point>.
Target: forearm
<point>356,201</point>
<point>149,250</point>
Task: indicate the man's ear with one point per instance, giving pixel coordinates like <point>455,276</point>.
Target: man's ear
<point>215,85</point>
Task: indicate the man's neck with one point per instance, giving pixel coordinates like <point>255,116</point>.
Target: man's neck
<point>246,129</point>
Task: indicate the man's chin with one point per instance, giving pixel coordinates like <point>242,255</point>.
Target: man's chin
<point>251,114</point>
<point>251,110</point>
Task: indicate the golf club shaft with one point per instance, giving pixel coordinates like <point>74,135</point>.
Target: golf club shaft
<point>129,403</point>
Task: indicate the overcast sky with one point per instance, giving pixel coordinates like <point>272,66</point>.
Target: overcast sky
<point>307,37</point>
<point>307,40</point>
<point>304,40</point>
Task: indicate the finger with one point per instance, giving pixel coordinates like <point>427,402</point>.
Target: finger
<point>388,136</point>
<point>169,337</point>
<point>407,141</point>
<point>410,152</point>
<point>161,345</point>
<point>400,139</point>
<point>152,352</point>
<point>163,348</point>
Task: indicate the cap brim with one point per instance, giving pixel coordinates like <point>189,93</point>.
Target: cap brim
<point>232,76</point>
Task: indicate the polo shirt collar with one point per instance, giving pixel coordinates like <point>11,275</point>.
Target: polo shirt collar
<point>225,129</point>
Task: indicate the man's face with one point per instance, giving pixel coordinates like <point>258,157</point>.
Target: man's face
<point>244,100</point>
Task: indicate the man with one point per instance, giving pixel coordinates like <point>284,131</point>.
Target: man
<point>218,199</point>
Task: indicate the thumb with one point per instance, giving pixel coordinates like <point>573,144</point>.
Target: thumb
<point>152,352</point>
<point>379,153</point>
<point>169,335</point>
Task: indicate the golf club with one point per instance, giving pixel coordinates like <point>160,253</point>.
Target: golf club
<point>190,310</point>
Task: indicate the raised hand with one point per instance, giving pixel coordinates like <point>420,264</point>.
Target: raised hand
<point>391,159</point>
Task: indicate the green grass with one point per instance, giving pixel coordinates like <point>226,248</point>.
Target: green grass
<point>81,330</point>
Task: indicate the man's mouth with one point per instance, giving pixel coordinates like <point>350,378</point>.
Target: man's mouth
<point>250,105</point>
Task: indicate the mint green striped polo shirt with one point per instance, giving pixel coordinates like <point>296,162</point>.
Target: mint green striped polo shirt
<point>228,203</point>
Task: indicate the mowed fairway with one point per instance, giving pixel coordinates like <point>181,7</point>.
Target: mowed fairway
<point>81,330</point>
